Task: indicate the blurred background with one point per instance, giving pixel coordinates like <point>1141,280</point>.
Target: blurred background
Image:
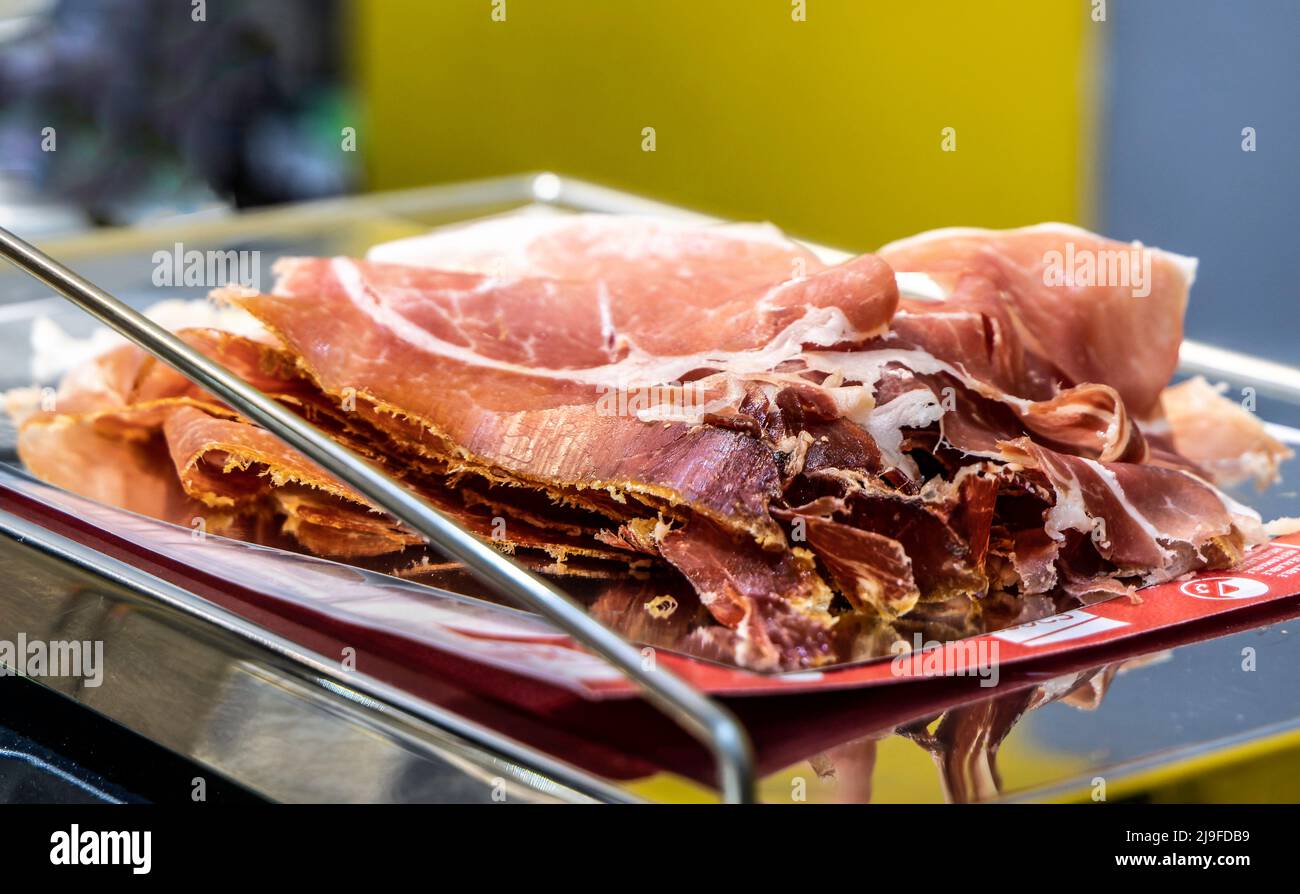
<point>850,122</point>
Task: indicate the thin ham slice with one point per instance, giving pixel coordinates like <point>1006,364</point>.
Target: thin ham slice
<point>1220,435</point>
<point>873,571</point>
<point>591,247</point>
<point>775,603</point>
<point>1104,328</point>
<point>1148,522</point>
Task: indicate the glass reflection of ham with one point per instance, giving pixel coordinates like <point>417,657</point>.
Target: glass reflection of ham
<point>964,742</point>
<point>805,459</point>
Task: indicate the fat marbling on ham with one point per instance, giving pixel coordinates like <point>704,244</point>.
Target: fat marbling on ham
<point>712,412</point>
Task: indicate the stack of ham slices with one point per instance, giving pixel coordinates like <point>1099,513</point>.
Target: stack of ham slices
<point>711,410</point>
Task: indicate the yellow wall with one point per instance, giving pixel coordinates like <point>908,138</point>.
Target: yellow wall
<point>830,127</point>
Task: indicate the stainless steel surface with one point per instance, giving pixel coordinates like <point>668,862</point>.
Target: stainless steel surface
<point>713,725</point>
<point>252,705</point>
<point>1266,376</point>
<point>1198,719</point>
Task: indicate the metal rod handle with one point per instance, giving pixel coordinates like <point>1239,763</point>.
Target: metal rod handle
<point>712,724</point>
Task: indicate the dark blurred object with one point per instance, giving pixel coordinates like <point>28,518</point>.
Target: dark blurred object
<point>53,751</point>
<point>168,106</point>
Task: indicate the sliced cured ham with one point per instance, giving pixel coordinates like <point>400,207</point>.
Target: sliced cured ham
<point>1220,435</point>
<point>468,358</point>
<point>710,417</point>
<point>1147,521</point>
<point>598,247</point>
<point>1098,310</point>
<point>775,603</point>
<point>145,417</point>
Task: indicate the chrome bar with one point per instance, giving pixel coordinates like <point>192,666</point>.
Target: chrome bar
<point>1265,376</point>
<point>712,724</point>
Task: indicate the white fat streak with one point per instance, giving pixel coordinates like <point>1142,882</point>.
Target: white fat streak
<point>819,326</point>
<point>1069,511</point>
<point>1111,434</point>
<point>607,331</point>
<point>884,422</point>
<point>851,400</point>
<point>1246,519</point>
<point>1112,484</point>
<point>685,408</point>
<point>867,367</point>
<point>912,409</point>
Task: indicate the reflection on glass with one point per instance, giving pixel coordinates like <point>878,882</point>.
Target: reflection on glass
<point>962,741</point>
